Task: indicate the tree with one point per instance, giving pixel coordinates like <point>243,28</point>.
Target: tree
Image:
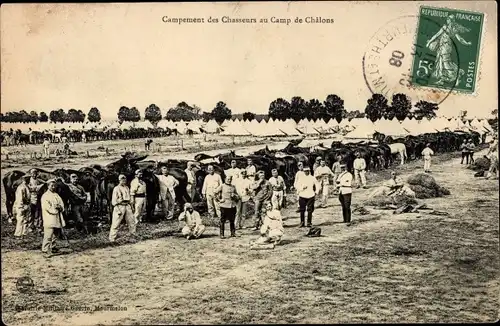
<point>184,112</point>
<point>279,109</point>
<point>354,114</point>
<point>33,116</point>
<point>123,114</point>
<point>376,107</point>
<point>94,115</point>
<point>72,115</point>
<point>221,112</point>
<point>248,116</point>
<point>297,108</point>
<point>43,117</point>
<point>152,113</point>
<point>206,116</point>
<point>425,109</point>
<point>334,107</point>
<point>314,109</point>
<point>400,106</point>
<point>57,116</point>
<point>135,115</point>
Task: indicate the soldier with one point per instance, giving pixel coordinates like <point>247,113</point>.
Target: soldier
<point>243,186</point>
<point>344,185</point>
<point>191,181</point>
<point>308,188</point>
<point>263,191</point>
<point>167,192</point>
<point>194,226</point>
<point>122,209</point>
<point>360,170</point>
<point>278,186</point>
<point>138,196</point>
<point>427,153</point>
<point>251,170</point>
<point>234,171</point>
<point>323,174</point>
<point>227,203</point>
<point>79,198</point>
<point>46,145</point>
<point>22,207</point>
<point>52,209</point>
<point>34,186</point>
<point>211,183</point>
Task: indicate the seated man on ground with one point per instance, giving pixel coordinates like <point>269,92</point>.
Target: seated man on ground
<point>194,227</point>
<point>271,230</point>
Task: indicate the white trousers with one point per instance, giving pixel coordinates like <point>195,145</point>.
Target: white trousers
<point>139,208</point>
<point>360,175</point>
<point>22,218</point>
<point>277,199</point>
<point>195,231</point>
<point>213,206</point>
<point>427,164</point>
<point>121,212</point>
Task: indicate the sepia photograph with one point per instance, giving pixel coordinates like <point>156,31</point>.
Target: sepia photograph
<point>303,162</point>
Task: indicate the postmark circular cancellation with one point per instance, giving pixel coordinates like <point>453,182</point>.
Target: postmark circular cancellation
<point>391,52</point>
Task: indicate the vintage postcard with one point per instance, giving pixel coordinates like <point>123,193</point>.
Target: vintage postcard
<point>249,162</point>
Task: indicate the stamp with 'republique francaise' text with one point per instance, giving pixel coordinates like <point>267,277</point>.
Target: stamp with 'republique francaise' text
<point>454,39</point>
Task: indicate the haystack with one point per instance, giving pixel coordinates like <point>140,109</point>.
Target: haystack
<point>425,186</point>
<point>480,164</point>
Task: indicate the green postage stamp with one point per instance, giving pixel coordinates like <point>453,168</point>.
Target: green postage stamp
<point>449,42</point>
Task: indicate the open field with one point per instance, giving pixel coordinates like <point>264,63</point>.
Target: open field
<point>413,267</point>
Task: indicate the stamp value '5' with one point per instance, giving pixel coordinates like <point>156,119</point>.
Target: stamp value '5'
<point>451,40</point>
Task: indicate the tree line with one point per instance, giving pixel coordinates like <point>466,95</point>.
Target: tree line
<point>297,108</point>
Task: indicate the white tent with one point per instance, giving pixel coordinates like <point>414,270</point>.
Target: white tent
<point>181,127</point>
<point>146,124</point>
<point>235,128</point>
<point>212,127</point>
<point>364,130</point>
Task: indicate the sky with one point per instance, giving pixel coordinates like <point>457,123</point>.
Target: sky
<point>109,55</point>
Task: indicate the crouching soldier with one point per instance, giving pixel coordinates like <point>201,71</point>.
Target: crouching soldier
<point>271,230</point>
<point>121,208</point>
<point>138,196</point>
<point>194,227</point>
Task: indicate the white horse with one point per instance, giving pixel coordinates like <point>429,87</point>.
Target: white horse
<point>399,148</point>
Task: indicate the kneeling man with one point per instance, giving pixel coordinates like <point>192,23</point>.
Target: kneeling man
<point>194,227</point>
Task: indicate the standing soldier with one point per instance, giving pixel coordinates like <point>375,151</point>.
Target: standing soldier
<point>316,164</point>
<point>344,185</point>
<point>300,173</point>
<point>22,209</point>
<point>263,191</point>
<point>336,169</point>
<point>360,170</point>
<point>167,192</point>
<point>138,196</point>
<point>251,170</point>
<point>233,171</point>
<point>52,209</point>
<point>79,198</point>
<point>427,153</point>
<point>46,145</point>
<point>470,148</point>
<point>279,187</point>
<point>308,188</point>
<point>493,156</point>
<point>34,185</point>
<point>323,174</point>
<point>465,152</point>
<point>211,183</point>
<point>122,209</point>
<point>242,185</point>
<point>227,203</point>
<point>191,181</point>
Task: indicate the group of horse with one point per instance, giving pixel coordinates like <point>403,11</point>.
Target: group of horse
<point>18,138</point>
<point>99,181</point>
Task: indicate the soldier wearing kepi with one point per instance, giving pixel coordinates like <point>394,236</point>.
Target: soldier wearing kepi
<point>121,202</point>
<point>344,185</point>
<point>79,199</point>
<point>360,170</point>
<point>278,186</point>
<point>167,192</point>
<point>323,174</point>
<point>228,200</point>
<point>34,185</point>
<point>52,209</point>
<point>138,196</point>
<point>191,181</point>
<point>22,207</point>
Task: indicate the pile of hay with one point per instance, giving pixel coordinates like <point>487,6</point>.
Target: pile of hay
<point>480,164</point>
<point>397,200</point>
<point>425,186</point>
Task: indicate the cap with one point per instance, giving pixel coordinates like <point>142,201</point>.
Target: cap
<point>73,175</point>
<point>343,165</point>
<point>318,158</point>
<point>138,171</point>
<point>190,164</point>
<point>33,170</point>
<point>307,169</point>
<point>188,205</point>
<point>274,170</point>
<point>122,177</point>
<point>51,181</point>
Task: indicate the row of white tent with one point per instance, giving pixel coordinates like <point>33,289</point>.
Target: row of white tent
<point>356,128</point>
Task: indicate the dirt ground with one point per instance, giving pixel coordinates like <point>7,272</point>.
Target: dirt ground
<point>413,267</point>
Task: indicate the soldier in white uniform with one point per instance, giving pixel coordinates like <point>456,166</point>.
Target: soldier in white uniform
<point>279,187</point>
<point>360,170</point>
<point>344,185</point>
<point>138,196</point>
<point>167,192</point>
<point>194,226</point>
<point>251,170</point>
<point>427,153</point>
<point>191,181</point>
<point>233,172</point>
<point>323,174</point>
<point>52,209</point>
<point>211,184</point>
<point>122,209</point>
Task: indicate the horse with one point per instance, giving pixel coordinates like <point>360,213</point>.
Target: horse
<point>399,148</point>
